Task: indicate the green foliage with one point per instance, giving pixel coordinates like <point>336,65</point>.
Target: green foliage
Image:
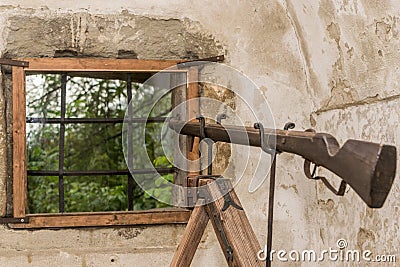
<point>42,194</point>
<point>87,193</point>
<point>90,146</point>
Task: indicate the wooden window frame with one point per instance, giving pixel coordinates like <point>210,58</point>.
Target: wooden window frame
<point>83,219</point>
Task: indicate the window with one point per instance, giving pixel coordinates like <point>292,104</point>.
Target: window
<point>66,157</point>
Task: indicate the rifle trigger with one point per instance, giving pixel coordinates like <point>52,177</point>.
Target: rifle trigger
<point>307,172</point>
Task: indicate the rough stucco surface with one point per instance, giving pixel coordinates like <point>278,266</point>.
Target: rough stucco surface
<point>330,64</point>
<point>120,35</point>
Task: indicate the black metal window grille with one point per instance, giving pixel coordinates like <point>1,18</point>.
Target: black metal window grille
<point>62,121</point>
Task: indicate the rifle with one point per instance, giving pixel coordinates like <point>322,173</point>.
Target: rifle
<point>369,168</point>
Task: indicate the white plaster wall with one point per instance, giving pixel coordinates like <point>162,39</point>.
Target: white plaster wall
<point>330,64</point>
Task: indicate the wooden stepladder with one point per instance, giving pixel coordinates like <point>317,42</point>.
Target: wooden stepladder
<point>217,201</point>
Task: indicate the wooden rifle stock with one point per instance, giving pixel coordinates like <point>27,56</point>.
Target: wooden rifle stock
<point>369,168</point>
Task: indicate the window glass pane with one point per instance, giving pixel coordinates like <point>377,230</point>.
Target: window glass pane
<point>159,187</point>
<point>148,135</point>
<point>95,146</point>
<point>162,106</point>
<point>152,99</point>
<point>42,194</point>
<point>42,146</point>
<point>150,153</point>
<point>95,98</point>
<point>43,96</point>
<point>96,193</point>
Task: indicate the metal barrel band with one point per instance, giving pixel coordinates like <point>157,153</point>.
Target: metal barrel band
<point>259,126</point>
<point>208,142</point>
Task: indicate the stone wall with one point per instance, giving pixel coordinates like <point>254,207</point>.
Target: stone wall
<point>330,64</point>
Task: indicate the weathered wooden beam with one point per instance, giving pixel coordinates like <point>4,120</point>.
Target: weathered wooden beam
<point>19,139</point>
<point>191,237</point>
<point>235,225</point>
<point>93,219</point>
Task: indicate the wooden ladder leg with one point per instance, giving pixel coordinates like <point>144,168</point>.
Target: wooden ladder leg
<point>231,225</point>
<point>191,237</point>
